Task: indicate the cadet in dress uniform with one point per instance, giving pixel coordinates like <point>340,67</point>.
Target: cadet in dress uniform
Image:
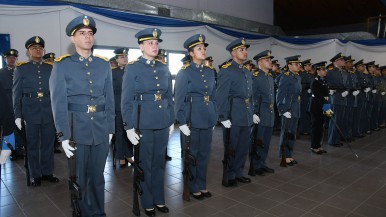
<point>352,87</point>
<point>382,114</point>
<point>209,63</point>
<point>6,79</point>
<point>306,79</point>
<point>359,116</point>
<point>31,102</point>
<point>81,84</point>
<point>370,95</point>
<point>263,100</point>
<point>319,91</point>
<point>275,73</point>
<point>49,58</point>
<point>113,62</point>
<point>336,79</point>
<point>235,85</point>
<point>124,149</point>
<point>147,82</point>
<point>195,84</point>
<point>377,98</point>
<point>288,104</point>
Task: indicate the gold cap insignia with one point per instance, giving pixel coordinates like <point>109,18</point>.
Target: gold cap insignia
<point>269,53</point>
<point>162,52</point>
<point>243,41</point>
<point>155,33</point>
<point>12,52</point>
<point>37,39</point>
<point>86,21</point>
<point>200,38</point>
<point>124,51</point>
<point>51,56</point>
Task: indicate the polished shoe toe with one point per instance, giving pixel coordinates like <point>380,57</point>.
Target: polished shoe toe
<point>150,212</point>
<point>206,194</point>
<point>290,163</point>
<point>231,183</point>
<point>197,196</point>
<point>260,172</point>
<point>50,178</point>
<point>36,182</point>
<point>294,162</point>
<point>268,170</point>
<point>243,179</point>
<point>316,151</point>
<point>163,208</point>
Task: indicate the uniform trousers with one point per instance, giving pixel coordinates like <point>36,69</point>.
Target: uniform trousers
<point>264,134</point>
<point>348,122</point>
<point>305,119</point>
<point>317,121</point>
<point>153,144</point>
<point>40,150</point>
<point>357,118</point>
<point>90,164</point>
<point>292,129</point>
<point>124,148</point>
<point>333,135</point>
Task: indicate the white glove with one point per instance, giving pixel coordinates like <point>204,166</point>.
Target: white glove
<point>287,114</point>
<point>226,124</point>
<point>67,148</point>
<point>383,93</point>
<point>344,93</point>
<point>256,119</point>
<point>332,92</point>
<point>18,123</point>
<point>355,92</point>
<point>132,136</point>
<point>185,130</point>
<point>110,137</point>
<point>309,91</point>
<point>374,91</point>
<point>4,156</point>
<point>171,130</point>
<point>367,89</point>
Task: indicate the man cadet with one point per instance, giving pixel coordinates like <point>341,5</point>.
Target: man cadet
<point>234,93</point>
<point>263,99</point>
<point>336,79</point>
<point>359,116</point>
<point>382,114</point>
<point>31,103</point>
<point>209,63</point>
<point>124,149</point>
<point>49,58</point>
<point>6,80</point>
<point>370,92</point>
<point>81,84</point>
<point>306,79</point>
<point>113,62</point>
<point>288,104</point>
<point>352,86</point>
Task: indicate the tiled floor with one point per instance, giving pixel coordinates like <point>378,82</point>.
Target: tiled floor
<point>334,184</point>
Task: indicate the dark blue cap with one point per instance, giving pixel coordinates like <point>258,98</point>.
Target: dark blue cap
<point>275,62</point>
<point>349,59</point>
<point>48,56</point>
<point>248,62</point>
<point>306,62</point>
<point>360,62</point>
<point>121,51</point>
<point>293,59</point>
<point>319,65</point>
<point>382,68</point>
<point>337,57</point>
<point>11,52</point>
<point>148,34</point>
<point>186,58</point>
<point>34,40</point>
<point>195,40</point>
<point>263,55</point>
<point>112,59</point>
<point>161,53</point>
<point>209,59</point>
<point>236,44</point>
<point>371,63</point>
<point>77,23</point>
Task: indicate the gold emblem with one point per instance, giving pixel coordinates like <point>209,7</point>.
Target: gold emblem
<point>247,101</point>
<point>91,108</point>
<point>269,53</point>
<point>124,51</point>
<point>206,98</point>
<point>40,94</point>
<point>155,33</point>
<point>51,56</point>
<point>12,52</point>
<point>200,38</point>
<point>157,97</point>
<point>37,39</point>
<point>271,106</point>
<point>86,21</point>
<point>243,41</point>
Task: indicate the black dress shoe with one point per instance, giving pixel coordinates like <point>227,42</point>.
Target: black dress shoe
<point>168,158</point>
<point>243,179</point>
<point>260,172</point>
<point>50,178</point>
<point>36,182</point>
<point>206,194</point>
<point>323,151</point>
<point>294,161</point>
<point>289,163</point>
<point>198,196</point>
<point>163,209</point>
<point>231,183</point>
<point>268,170</point>
<point>316,151</point>
<point>150,212</point>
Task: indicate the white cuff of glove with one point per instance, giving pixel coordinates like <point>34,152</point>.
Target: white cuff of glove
<point>331,92</point>
<point>110,138</point>
<point>309,91</point>
<point>67,148</point>
<point>226,124</point>
<point>374,91</point>
<point>18,123</point>
<point>287,114</point>
<point>132,136</point>
<point>383,93</point>
<point>256,119</point>
<point>4,156</point>
<point>355,92</point>
<point>344,93</point>
<point>185,130</point>
<point>367,89</point>
<point>171,130</point>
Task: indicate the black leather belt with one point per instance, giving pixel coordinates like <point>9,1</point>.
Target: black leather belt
<point>86,108</point>
<point>149,97</point>
<point>36,94</point>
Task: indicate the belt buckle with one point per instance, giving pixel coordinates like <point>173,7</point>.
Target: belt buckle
<point>40,94</point>
<point>157,97</point>
<point>271,106</point>
<point>246,101</point>
<point>206,98</point>
<point>91,108</point>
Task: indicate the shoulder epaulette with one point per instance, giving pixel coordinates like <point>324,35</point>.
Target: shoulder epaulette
<point>226,65</point>
<point>112,68</point>
<point>211,67</point>
<point>132,62</point>
<point>103,58</point>
<point>62,57</point>
<point>160,61</point>
<point>352,72</point>
<point>255,73</point>
<point>185,66</point>
<point>49,63</point>
<point>296,73</point>
<point>287,73</point>
<point>21,63</point>
<point>270,74</point>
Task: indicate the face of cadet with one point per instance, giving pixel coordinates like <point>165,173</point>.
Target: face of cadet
<point>240,54</point>
<point>11,61</point>
<point>322,72</point>
<point>265,64</point>
<point>294,67</point>
<point>83,39</point>
<point>149,48</point>
<point>36,51</point>
<point>122,60</point>
<point>199,53</point>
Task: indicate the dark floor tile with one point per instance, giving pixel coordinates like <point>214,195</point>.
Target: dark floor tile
<point>6,200</point>
<point>277,195</point>
<point>368,210</point>
<point>291,188</point>
<point>261,203</point>
<point>43,210</point>
<point>301,203</point>
<point>241,210</point>
<point>255,188</point>
<point>11,210</point>
<point>198,209</point>
<point>220,202</point>
<point>328,211</point>
<point>315,195</point>
<point>285,210</point>
<point>239,195</point>
<point>116,207</point>
<point>342,203</point>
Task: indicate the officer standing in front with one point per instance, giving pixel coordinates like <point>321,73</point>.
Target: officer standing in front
<point>31,103</point>
<point>234,93</point>
<point>124,149</point>
<point>288,104</point>
<point>147,82</point>
<point>81,84</point>
<point>263,100</point>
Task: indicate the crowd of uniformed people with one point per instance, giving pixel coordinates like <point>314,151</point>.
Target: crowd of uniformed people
<point>134,101</point>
